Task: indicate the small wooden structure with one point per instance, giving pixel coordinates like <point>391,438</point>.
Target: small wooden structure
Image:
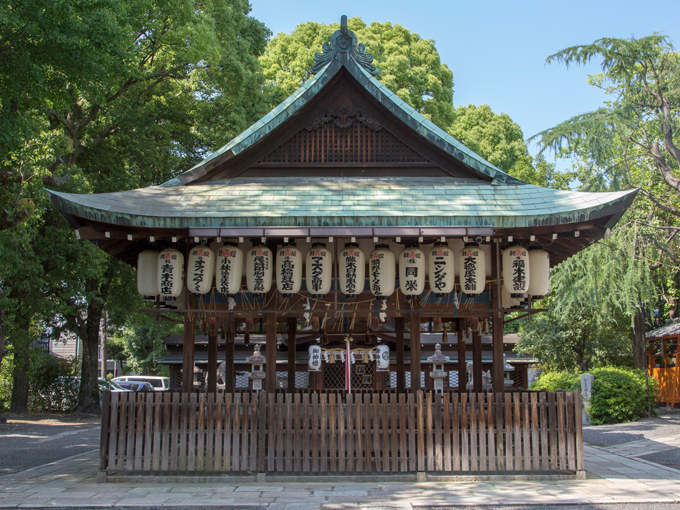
<point>344,161</point>
<point>663,355</point>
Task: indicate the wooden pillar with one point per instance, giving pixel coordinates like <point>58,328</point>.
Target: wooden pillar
<point>230,372</point>
<point>292,328</point>
<point>401,369</point>
<point>212,361</point>
<point>270,353</point>
<point>462,349</point>
<point>497,332</point>
<point>188,347</point>
<point>477,360</point>
<point>415,351</point>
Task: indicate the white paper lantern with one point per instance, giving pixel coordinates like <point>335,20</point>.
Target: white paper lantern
<point>441,269</point>
<point>382,272</point>
<point>314,358</point>
<point>319,270</point>
<point>229,269</point>
<point>472,269</point>
<point>412,271</point>
<point>289,270</point>
<point>539,271</point>
<point>507,301</point>
<point>147,273</point>
<point>200,270</point>
<point>352,269</point>
<point>170,273</point>
<point>382,360</point>
<point>516,270</point>
<point>259,270</point>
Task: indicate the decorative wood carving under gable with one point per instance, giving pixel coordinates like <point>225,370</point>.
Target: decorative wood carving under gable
<point>343,134</point>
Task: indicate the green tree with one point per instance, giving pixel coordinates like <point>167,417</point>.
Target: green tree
<point>409,65</point>
<point>157,85</point>
<point>143,340</point>
<point>630,142</point>
<point>499,140</point>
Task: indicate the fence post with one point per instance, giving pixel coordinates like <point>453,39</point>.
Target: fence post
<point>586,393</point>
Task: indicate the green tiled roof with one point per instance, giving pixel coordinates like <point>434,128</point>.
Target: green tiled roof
<point>343,201</point>
<point>288,108</point>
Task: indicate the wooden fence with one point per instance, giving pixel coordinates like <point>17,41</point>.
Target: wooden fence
<point>330,433</point>
<point>669,384</point>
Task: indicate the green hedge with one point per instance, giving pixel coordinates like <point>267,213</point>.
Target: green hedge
<point>619,394</point>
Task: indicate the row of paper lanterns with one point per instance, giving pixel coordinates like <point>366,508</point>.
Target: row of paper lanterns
<point>381,353</point>
<point>525,271</point>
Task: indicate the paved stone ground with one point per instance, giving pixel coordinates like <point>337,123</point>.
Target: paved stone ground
<point>615,474</point>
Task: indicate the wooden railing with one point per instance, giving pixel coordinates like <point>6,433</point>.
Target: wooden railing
<point>331,433</point>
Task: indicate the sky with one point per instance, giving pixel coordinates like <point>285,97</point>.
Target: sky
<point>497,49</point>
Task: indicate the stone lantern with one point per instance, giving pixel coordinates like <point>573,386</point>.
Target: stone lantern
<point>257,371</point>
<point>438,373</point>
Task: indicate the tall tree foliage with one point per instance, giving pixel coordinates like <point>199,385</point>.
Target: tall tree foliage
<point>409,65</point>
<point>631,142</point>
<point>108,95</point>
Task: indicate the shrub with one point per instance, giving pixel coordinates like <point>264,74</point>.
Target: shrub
<point>557,381</point>
<point>620,395</point>
<point>6,380</point>
<point>54,384</point>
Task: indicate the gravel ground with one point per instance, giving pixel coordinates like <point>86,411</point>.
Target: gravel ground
<point>27,441</point>
<point>667,424</point>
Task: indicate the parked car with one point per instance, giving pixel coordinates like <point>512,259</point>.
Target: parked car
<point>110,385</point>
<point>158,383</point>
<point>136,386</point>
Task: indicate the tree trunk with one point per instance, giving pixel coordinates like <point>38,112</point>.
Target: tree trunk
<point>3,329</point>
<point>22,364</point>
<point>98,293</point>
<point>639,343</point>
<point>88,398</point>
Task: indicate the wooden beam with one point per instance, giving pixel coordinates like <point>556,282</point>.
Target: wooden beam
<point>270,353</point>
<point>230,374</point>
<point>188,355</point>
<point>401,367</point>
<point>415,351</point>
<point>462,348</point>
<point>477,360</point>
<point>497,331</point>
<point>292,348</point>
<point>212,362</point>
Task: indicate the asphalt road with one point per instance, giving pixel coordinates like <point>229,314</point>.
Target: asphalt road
<point>33,440</point>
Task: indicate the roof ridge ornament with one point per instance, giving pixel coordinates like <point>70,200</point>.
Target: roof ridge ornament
<point>344,41</point>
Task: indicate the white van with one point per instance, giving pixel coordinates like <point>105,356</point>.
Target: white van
<point>158,383</point>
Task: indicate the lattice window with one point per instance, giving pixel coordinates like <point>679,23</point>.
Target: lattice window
<point>355,144</point>
<point>363,376</point>
<point>453,379</point>
<point>242,380</point>
<point>302,379</point>
<point>334,376</point>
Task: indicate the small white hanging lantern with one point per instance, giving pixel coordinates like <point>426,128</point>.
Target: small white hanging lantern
<point>170,273</point>
<point>289,270</point>
<point>319,270</point>
<point>314,358</point>
<point>539,271</point>
<point>516,270</point>
<point>352,269</point>
<point>259,269</point>
<point>229,269</point>
<point>382,271</point>
<point>412,271</point>
<point>147,273</point>
<point>200,270</point>
<point>441,269</point>
<point>472,269</point>
<point>382,359</point>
